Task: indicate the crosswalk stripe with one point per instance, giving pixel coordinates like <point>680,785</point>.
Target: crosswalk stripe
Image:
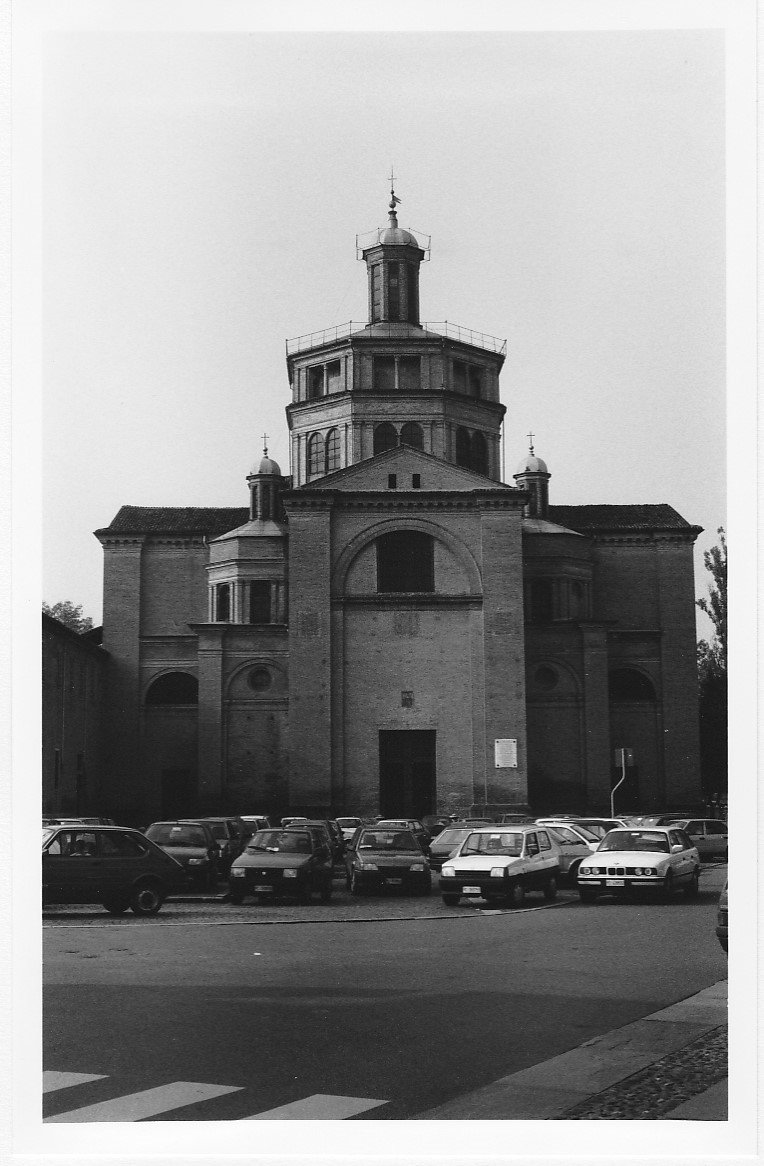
<point>147,1103</point>
<point>52,1080</point>
<point>318,1106</point>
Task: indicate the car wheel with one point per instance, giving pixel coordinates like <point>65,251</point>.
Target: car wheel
<point>451,900</point>
<point>691,890</point>
<point>516,895</point>
<point>587,896</point>
<point>550,890</point>
<point>146,899</point>
<point>116,906</point>
<point>668,886</point>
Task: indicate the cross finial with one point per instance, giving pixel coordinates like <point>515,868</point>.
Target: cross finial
<point>394,200</point>
<point>265,444</point>
<point>530,437</point>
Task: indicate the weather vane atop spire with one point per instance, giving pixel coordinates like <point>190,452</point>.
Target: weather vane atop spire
<point>394,200</point>
<point>530,437</point>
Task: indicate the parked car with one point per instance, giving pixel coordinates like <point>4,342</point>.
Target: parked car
<point>193,844</point>
<point>709,835</point>
<point>387,858</point>
<point>508,819</point>
<point>416,827</point>
<point>112,865</point>
<point>290,820</point>
<point>434,824</point>
<point>656,858</point>
<point>500,863</point>
<point>292,863</point>
<point>348,826</point>
<point>721,918</point>
<point>583,832</point>
<point>573,849</point>
<point>254,822</point>
<point>447,842</point>
<point>230,836</point>
<point>331,831</point>
<point>598,826</point>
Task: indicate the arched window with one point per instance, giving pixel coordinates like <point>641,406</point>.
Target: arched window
<point>385,437</point>
<point>463,448</point>
<point>405,561</point>
<point>332,450</point>
<point>626,684</point>
<point>174,688</point>
<point>479,453</point>
<point>315,455</point>
<point>411,434</point>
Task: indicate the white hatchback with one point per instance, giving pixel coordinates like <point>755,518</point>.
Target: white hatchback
<point>633,859</point>
<point>500,863</point>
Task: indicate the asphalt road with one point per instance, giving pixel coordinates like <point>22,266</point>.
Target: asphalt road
<point>378,1009</point>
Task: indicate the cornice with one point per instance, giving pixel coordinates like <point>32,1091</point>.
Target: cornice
<point>397,500</point>
<point>405,600</point>
<point>685,537</point>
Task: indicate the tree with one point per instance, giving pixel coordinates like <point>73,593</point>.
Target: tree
<point>712,674</point>
<point>70,615</point>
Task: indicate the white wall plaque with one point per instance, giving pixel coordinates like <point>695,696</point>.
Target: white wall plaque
<point>506,752</point>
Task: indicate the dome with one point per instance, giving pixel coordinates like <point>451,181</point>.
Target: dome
<point>399,237</point>
<point>268,466</point>
<point>531,465</point>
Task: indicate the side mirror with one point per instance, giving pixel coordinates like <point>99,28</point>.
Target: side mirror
<point>677,848</point>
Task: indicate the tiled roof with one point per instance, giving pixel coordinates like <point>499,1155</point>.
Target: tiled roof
<point>209,520</point>
<point>639,516</point>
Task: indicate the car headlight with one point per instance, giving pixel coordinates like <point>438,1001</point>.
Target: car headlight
<point>237,872</point>
<point>644,870</point>
<point>448,872</point>
<point>289,873</point>
<point>498,872</point>
<point>418,866</point>
<point>586,870</point>
<point>368,866</point>
<point>196,861</point>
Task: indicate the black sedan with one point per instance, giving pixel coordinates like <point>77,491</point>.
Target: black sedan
<point>112,865</point>
<point>278,864</point>
<point>383,859</point>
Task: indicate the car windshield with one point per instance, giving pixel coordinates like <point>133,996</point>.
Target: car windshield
<point>387,840</point>
<point>46,834</point>
<point>165,834</point>
<point>264,840</point>
<point>646,840</point>
<point>292,842</point>
<point>501,842</point>
<point>451,837</point>
<point>563,834</point>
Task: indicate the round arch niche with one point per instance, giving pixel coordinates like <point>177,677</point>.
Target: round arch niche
<point>173,688</point>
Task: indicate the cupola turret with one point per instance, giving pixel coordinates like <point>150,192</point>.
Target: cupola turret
<point>392,256</point>
<point>532,475</point>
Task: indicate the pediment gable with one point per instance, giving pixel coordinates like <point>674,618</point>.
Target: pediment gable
<point>434,474</point>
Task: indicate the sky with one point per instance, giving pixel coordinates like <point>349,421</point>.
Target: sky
<point>201,194</point>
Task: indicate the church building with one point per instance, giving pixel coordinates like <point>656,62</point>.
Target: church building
<point>388,627</point>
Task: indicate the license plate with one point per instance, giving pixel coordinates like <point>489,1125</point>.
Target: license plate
<point>394,882</point>
<point>615,883</point>
<point>263,890</point>
<point>470,890</point>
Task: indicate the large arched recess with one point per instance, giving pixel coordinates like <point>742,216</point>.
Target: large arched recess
<point>256,731</point>
<point>635,724</point>
<point>356,546</point>
<point>169,741</point>
<point>555,742</point>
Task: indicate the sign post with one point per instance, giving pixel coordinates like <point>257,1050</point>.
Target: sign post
<point>623,757</point>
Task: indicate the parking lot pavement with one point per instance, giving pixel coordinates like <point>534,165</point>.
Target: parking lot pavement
<point>671,1064</point>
